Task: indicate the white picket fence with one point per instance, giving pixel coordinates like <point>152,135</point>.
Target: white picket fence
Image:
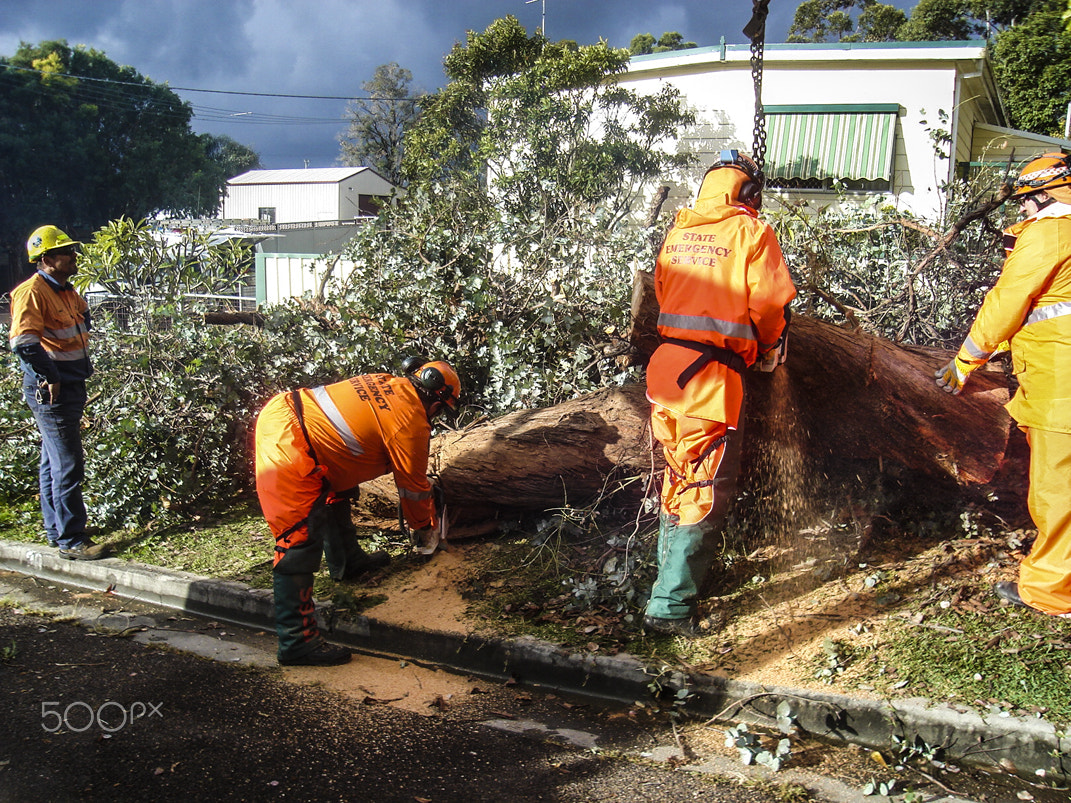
<point>285,276</point>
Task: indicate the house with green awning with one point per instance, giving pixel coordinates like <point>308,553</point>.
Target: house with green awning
<point>886,123</point>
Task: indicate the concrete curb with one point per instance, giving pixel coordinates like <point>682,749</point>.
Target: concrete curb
<point>1029,747</point>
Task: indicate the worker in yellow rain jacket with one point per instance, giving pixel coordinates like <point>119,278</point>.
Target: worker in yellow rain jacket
<point>1030,305</point>
<point>723,291</point>
<point>313,449</point>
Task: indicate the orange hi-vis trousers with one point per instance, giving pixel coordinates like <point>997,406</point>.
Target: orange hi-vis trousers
<point>1045,574</point>
<point>702,465</point>
<point>288,479</point>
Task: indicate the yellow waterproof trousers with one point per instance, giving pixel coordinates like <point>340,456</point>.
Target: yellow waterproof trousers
<point>1045,574</point>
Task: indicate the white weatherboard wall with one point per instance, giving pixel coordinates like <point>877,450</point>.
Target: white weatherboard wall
<point>284,276</point>
<point>924,80</point>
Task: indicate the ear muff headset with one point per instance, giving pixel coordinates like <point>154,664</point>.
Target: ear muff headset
<point>431,379</point>
<point>750,193</point>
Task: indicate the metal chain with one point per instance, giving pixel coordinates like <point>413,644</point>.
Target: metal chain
<point>756,31</point>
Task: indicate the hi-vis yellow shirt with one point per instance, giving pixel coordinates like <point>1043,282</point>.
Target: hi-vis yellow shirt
<point>50,330</point>
<point>1031,305</point>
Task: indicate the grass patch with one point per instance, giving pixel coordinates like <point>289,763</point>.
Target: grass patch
<point>236,545</point>
<point>1010,658</point>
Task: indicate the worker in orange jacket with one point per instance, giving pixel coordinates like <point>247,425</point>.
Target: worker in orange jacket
<point>313,449</point>
<point>1030,306</point>
<point>50,325</point>
<point>723,291</point>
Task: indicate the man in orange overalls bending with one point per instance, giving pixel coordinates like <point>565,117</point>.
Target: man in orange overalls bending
<point>313,449</point>
<point>723,291</point>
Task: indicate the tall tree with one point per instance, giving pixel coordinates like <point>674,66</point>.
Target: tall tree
<point>84,140</point>
<point>833,21</point>
<point>644,43</point>
<point>232,157</point>
<point>546,119</point>
<point>509,250</point>
<point>378,122</point>
<point>943,20</point>
<point>1033,66</point>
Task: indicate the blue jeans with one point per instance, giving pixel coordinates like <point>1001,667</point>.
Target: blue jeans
<point>63,465</point>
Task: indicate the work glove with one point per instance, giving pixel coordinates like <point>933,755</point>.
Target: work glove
<point>953,376</point>
<point>775,356</point>
<point>426,540</point>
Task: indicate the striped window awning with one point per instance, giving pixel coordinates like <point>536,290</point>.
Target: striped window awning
<point>816,142</point>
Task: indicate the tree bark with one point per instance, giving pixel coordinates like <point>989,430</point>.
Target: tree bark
<point>571,453</point>
<point>859,395</point>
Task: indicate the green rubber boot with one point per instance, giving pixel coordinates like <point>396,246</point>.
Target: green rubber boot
<point>685,555</point>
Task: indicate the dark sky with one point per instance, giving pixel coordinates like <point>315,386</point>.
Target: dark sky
<point>330,47</point>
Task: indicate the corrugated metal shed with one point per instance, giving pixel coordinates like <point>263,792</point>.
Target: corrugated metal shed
<point>311,195</point>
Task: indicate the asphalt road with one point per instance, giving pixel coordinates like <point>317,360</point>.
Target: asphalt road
<point>103,698</point>
<point>90,713</point>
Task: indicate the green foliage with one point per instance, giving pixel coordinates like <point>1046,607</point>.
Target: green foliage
<point>84,140</point>
<point>521,112</point>
<point>832,20</point>
<point>644,43</point>
<point>1033,65</point>
<point>133,260</point>
<point>891,273</point>
<point>753,751</point>
<point>942,20</point>
<point>231,157</point>
<point>378,122</point>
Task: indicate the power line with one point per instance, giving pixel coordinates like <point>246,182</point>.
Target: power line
<point>193,89</point>
<point>116,95</point>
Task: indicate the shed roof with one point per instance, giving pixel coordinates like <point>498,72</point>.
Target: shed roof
<point>312,175</point>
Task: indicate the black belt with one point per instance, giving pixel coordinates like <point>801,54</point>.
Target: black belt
<point>708,353</point>
<point>299,410</point>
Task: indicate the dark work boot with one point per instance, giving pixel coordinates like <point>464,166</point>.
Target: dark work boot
<point>300,642</point>
<point>346,560</point>
<point>355,567</point>
<point>671,627</point>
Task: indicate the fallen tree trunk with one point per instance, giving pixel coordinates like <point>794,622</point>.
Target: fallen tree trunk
<point>568,454</point>
<point>843,394</point>
<point>859,395</point>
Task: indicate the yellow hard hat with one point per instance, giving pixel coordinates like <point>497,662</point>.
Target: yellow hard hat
<point>45,239</point>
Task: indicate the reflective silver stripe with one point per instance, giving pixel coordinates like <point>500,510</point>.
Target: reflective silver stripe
<point>406,494</point>
<point>66,356</point>
<point>700,323</point>
<point>323,401</point>
<point>66,333</point>
<point>1051,311</point>
<point>974,350</point>
<point>24,340</point>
